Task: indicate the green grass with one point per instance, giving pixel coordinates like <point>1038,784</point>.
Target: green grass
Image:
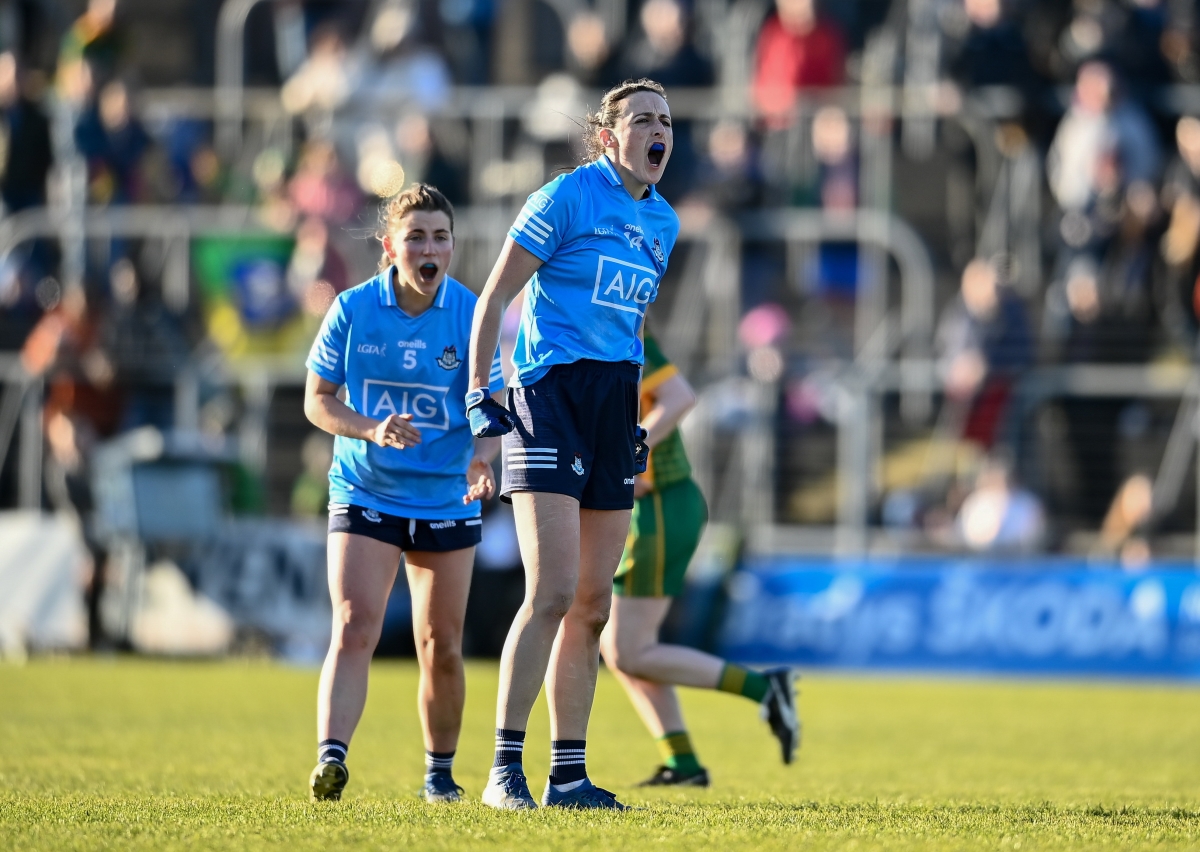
<point>130,754</point>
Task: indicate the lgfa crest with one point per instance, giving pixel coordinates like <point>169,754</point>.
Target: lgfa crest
<point>449,359</point>
<point>658,252</point>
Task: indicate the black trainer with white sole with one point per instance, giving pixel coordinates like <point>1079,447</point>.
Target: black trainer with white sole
<point>665,776</point>
<point>779,711</point>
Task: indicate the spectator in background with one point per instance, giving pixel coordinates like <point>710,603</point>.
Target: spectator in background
<point>590,57</point>
<point>407,57</point>
<point>425,161</point>
<point>82,405</point>
<point>1108,324</point>
<point>729,178</point>
<point>984,344</point>
<point>837,271</point>
<point>999,516</point>
<point>316,272</point>
<point>326,78</point>
<point>114,143</point>
<point>24,142</point>
<point>1123,533</point>
<point>797,49</point>
<point>1098,123</point>
<point>664,51</point>
<point>321,188</point>
<point>991,50</point>
<point>147,345</point>
<point>90,52</point>
<point>1180,200</point>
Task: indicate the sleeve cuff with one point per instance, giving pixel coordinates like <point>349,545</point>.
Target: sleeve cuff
<point>529,245</point>
<point>325,373</point>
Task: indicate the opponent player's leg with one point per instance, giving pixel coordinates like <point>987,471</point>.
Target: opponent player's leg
<point>571,679</point>
<point>548,533</point>
<point>638,620</point>
<point>361,573</point>
<point>439,584</point>
<point>664,533</point>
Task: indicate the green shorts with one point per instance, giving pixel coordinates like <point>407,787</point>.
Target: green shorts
<point>663,535</point>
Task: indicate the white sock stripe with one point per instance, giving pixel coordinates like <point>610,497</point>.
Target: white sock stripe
<point>516,450</point>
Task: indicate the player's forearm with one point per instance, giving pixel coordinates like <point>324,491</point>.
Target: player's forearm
<point>673,399</point>
<point>330,414</point>
<point>485,335</point>
<point>486,449</point>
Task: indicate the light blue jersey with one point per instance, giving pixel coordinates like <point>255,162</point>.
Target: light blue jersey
<point>392,363</point>
<point>604,255</point>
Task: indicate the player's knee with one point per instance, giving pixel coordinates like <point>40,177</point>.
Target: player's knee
<point>552,606</point>
<point>622,655</point>
<point>356,629</point>
<point>592,611</point>
<point>441,651</point>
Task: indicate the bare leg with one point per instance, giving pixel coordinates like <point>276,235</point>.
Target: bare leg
<point>571,680</point>
<point>631,646</point>
<point>439,584</point>
<point>361,573</point>
<point>656,703</point>
<point>647,669</point>
<point>548,531</point>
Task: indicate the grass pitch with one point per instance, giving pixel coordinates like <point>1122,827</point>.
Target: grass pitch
<point>129,754</point>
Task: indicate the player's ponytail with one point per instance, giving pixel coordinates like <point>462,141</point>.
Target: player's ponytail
<point>610,109</point>
<point>419,196</point>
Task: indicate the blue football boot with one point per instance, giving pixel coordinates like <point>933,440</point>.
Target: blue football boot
<point>508,789</point>
<point>584,797</point>
<point>440,788</point>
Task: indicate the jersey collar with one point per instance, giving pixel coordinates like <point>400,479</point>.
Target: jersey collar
<point>615,179</point>
<point>387,296</point>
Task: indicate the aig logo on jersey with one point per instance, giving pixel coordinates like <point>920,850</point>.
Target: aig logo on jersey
<point>624,285</point>
<point>541,201</point>
<point>426,403</point>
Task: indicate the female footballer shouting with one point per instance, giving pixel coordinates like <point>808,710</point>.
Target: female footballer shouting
<point>592,246</point>
<point>403,457</point>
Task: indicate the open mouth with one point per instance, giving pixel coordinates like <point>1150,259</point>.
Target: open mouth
<point>427,271</point>
<point>657,151</point>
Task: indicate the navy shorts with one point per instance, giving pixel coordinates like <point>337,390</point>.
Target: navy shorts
<point>406,533</point>
<point>574,434</point>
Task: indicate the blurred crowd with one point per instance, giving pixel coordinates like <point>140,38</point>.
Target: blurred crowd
<point>1086,96</point>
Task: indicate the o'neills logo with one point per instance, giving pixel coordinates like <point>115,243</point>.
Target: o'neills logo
<point>442,525</point>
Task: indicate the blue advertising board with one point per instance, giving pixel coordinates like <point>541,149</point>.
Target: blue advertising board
<point>1044,616</point>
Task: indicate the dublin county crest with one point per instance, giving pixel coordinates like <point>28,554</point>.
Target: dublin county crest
<point>449,359</point>
<point>658,252</point>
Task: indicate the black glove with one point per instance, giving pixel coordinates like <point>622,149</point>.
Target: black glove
<point>488,418</point>
<point>641,450</point>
